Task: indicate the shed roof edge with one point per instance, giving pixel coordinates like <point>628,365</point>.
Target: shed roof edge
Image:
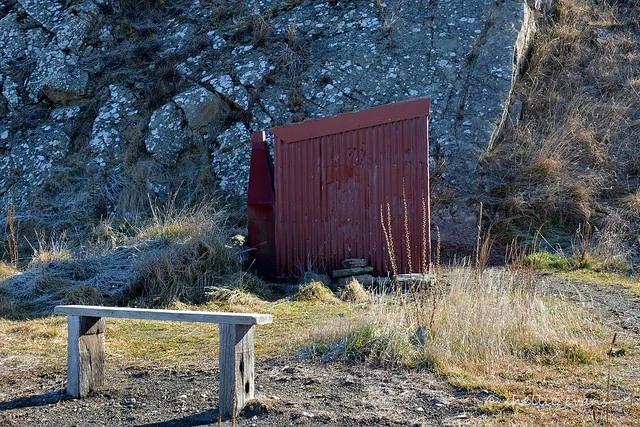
<point>352,121</point>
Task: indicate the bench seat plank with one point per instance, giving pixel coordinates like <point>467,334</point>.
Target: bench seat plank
<point>167,315</point>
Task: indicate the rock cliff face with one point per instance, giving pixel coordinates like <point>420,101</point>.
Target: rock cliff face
<point>107,104</point>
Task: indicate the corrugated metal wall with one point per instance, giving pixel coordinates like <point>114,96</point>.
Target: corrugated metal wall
<point>338,179</point>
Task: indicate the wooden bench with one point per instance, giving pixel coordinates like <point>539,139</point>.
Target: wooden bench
<point>86,347</point>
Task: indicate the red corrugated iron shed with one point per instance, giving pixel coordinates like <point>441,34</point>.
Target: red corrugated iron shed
<point>339,179</point>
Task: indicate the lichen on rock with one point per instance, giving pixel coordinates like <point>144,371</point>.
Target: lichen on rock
<point>231,159</point>
<point>168,135</point>
<point>168,89</point>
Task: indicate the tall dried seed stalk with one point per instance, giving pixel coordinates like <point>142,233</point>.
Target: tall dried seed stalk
<point>425,264</point>
<point>407,234</point>
<point>388,237</point>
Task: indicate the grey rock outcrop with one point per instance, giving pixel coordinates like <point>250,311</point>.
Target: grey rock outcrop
<point>231,161</point>
<point>12,38</point>
<point>32,162</point>
<point>155,97</point>
<point>201,107</point>
<point>168,135</point>
<point>114,127</point>
<point>238,95</point>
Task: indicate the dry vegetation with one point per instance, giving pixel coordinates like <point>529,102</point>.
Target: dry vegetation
<point>540,359</point>
<point>544,360</point>
<point>571,166</point>
<point>573,159</point>
<point>462,322</point>
<point>481,330</point>
<point>187,255</point>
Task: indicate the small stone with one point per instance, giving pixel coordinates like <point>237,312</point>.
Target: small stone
<point>354,262</point>
<point>414,278</point>
<point>352,272</point>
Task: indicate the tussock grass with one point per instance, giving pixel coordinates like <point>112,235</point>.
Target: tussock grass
<point>502,317</point>
<point>354,292</point>
<point>85,295</point>
<point>7,270</point>
<point>315,292</point>
<point>55,248</point>
<point>183,272</point>
<point>573,158</point>
<point>191,256</point>
<point>475,321</point>
<point>174,255</point>
<point>173,225</point>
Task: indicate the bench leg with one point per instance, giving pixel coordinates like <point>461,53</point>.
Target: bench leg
<point>85,361</point>
<point>236,368</point>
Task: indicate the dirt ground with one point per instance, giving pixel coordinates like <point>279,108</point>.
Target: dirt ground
<point>289,390</point>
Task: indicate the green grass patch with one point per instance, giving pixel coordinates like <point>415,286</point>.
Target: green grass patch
<point>587,268</point>
<point>547,261</point>
<point>556,353</point>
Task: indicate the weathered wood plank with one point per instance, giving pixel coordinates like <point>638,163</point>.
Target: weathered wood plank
<point>166,315</point>
<point>355,271</point>
<point>236,368</point>
<point>86,348</point>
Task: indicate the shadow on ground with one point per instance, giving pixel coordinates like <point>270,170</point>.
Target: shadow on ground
<point>201,419</point>
<point>43,399</point>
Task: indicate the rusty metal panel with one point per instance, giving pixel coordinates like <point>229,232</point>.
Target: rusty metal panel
<point>337,180</point>
<point>260,209</point>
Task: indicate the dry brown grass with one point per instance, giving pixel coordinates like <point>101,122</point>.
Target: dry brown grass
<point>7,270</point>
<point>573,158</point>
<point>315,292</point>
<point>54,248</point>
<point>354,292</point>
<point>545,358</point>
<point>478,321</point>
<point>184,270</point>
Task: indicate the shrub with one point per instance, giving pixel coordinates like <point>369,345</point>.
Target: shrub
<point>354,292</point>
<point>315,292</point>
